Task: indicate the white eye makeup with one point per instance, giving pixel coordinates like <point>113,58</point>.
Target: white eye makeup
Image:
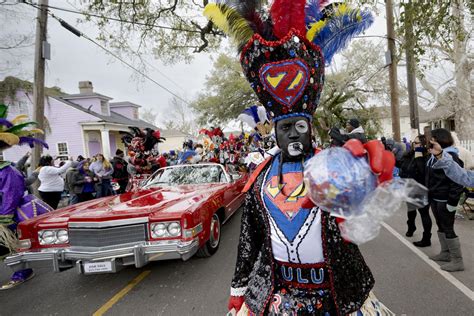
<point>301,126</point>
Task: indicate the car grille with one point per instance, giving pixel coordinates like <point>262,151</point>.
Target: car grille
<point>103,237</point>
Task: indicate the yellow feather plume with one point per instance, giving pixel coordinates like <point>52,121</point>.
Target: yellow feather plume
<point>341,9</point>
<point>30,132</point>
<point>229,21</point>
<point>315,29</point>
<point>9,138</point>
<point>20,118</point>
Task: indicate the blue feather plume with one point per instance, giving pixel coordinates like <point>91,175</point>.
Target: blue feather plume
<point>313,12</point>
<point>339,30</point>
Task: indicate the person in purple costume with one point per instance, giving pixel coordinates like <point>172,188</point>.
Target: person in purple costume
<point>12,187</point>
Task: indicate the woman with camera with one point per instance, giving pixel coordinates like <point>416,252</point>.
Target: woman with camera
<point>413,166</point>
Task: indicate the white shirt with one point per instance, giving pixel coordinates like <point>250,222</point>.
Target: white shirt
<point>50,177</point>
<point>307,245</point>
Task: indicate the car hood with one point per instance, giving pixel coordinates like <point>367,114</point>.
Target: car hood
<point>159,202</point>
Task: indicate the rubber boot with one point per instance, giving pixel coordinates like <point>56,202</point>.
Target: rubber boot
<point>411,223</point>
<point>444,254</point>
<point>456,263</point>
<point>425,241</point>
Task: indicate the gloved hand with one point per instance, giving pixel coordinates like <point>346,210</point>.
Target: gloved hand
<point>451,208</point>
<point>381,161</point>
<point>235,302</point>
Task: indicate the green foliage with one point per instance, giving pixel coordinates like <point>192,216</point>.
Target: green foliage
<point>173,30</point>
<point>10,85</point>
<point>227,93</point>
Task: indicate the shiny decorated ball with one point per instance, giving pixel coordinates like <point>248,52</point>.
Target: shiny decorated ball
<point>339,182</point>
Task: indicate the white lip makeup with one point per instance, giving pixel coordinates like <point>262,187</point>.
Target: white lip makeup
<point>295,149</point>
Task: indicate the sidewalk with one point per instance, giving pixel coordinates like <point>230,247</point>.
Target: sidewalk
<point>464,228</point>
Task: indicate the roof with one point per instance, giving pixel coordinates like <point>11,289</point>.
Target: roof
<point>113,118</point>
<point>386,111</point>
<point>440,112</point>
<point>123,104</point>
<point>172,133</point>
<point>86,96</point>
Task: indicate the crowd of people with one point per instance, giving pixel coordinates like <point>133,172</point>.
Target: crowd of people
<point>437,161</point>
<point>83,179</point>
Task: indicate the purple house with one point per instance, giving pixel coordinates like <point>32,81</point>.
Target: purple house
<point>84,124</point>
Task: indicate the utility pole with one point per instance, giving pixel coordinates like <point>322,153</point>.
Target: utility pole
<point>411,68</point>
<point>41,51</point>
<point>392,53</point>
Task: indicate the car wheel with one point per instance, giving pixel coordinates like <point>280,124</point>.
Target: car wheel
<point>211,246</point>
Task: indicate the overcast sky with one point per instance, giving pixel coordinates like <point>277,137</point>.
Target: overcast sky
<point>75,59</point>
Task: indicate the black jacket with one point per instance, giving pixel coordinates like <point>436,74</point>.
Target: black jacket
<point>350,278</point>
<point>413,167</point>
<point>440,186</point>
<point>338,139</point>
<point>78,180</point>
<point>120,168</point>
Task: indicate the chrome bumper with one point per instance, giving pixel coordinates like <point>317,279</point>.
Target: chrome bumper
<point>125,255</point>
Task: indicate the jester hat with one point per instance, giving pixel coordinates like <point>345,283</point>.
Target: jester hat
<point>283,52</point>
<point>18,131</point>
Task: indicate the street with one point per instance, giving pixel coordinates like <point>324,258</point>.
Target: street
<point>405,283</point>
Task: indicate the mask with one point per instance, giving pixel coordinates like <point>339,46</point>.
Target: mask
<point>293,136</point>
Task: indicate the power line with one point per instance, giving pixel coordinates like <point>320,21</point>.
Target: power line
<point>79,34</point>
<point>118,20</point>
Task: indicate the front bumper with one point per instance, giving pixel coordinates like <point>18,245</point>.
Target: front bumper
<point>116,257</point>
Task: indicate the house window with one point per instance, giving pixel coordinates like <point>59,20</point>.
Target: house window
<point>63,149</point>
<point>452,125</point>
<point>135,114</point>
<point>104,107</point>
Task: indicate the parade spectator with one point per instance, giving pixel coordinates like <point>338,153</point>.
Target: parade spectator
<point>73,198</point>
<point>52,183</point>
<point>120,174</point>
<point>413,166</point>
<point>23,166</point>
<point>444,195</point>
<point>83,183</point>
<point>354,130</point>
<point>451,168</point>
<point>103,170</point>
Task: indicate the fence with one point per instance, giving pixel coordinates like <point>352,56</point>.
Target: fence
<point>468,144</point>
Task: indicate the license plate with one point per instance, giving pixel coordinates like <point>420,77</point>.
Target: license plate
<point>93,267</point>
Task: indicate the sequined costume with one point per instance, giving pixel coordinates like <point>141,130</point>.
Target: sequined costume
<point>350,280</point>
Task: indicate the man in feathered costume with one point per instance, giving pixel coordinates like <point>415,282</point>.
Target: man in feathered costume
<point>292,259</point>
<point>14,206</point>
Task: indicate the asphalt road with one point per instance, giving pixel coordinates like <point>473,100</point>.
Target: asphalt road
<point>404,282</point>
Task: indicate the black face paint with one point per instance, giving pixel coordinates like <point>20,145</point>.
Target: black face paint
<point>293,136</point>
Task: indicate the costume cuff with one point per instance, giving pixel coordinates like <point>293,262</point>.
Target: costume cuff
<point>238,291</point>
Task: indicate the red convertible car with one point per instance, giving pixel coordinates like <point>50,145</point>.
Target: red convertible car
<point>177,212</point>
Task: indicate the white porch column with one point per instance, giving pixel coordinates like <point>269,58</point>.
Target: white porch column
<point>104,135</point>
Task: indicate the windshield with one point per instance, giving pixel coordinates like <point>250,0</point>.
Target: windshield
<point>187,174</point>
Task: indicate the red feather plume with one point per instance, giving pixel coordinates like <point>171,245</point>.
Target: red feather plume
<point>287,14</point>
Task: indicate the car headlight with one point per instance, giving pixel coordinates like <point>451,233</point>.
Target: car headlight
<point>53,236</point>
<point>63,236</point>
<point>174,229</point>
<point>166,229</point>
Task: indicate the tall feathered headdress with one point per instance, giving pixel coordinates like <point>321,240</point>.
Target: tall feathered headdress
<point>18,131</point>
<point>284,51</point>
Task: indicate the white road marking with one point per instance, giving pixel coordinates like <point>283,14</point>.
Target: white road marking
<point>458,284</point>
